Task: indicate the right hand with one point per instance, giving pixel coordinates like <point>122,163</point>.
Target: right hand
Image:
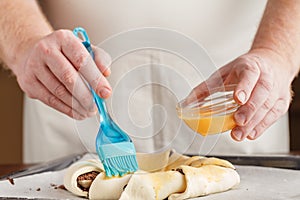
<point>50,72</point>
<point>263,89</point>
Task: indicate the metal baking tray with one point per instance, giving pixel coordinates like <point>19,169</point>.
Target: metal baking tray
<point>53,165</point>
<point>278,161</point>
<point>285,161</point>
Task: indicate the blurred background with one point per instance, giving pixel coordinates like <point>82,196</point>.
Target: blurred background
<point>11,118</point>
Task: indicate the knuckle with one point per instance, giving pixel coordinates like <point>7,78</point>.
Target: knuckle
<point>251,106</point>
<point>274,113</point>
<point>32,64</point>
<point>45,49</point>
<point>267,105</point>
<point>68,77</point>
<point>26,87</point>
<point>52,101</point>
<point>250,66</point>
<point>42,47</point>
<point>60,91</point>
<point>30,94</point>
<point>96,83</point>
<point>267,84</point>
<point>281,107</point>
<point>263,125</point>
<point>27,81</point>
<point>80,61</point>
<point>277,111</point>
<point>69,112</point>
<point>86,100</point>
<point>249,63</point>
<point>62,34</point>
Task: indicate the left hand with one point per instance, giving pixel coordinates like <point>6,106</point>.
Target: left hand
<point>263,90</point>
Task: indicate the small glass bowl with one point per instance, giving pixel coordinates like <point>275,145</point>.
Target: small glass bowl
<point>211,115</point>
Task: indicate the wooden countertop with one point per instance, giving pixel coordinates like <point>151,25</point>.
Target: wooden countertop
<point>9,168</point>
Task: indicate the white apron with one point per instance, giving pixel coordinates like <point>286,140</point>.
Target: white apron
<point>147,83</point>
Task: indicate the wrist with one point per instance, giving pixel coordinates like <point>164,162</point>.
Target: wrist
<point>20,52</point>
<point>289,61</point>
<point>19,34</point>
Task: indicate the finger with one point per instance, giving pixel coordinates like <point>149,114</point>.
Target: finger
<point>198,93</point>
<point>237,134</point>
<point>259,116</point>
<point>280,107</point>
<point>69,77</point>
<point>259,95</point>
<point>254,88</point>
<point>85,65</point>
<point>247,72</point>
<point>58,89</point>
<point>102,60</point>
<point>207,87</point>
<point>46,97</point>
<point>248,130</point>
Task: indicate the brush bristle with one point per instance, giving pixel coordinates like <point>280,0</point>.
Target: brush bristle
<point>120,165</point>
<point>118,158</point>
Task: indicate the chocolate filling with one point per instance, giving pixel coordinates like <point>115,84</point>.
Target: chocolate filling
<point>180,171</point>
<point>84,181</point>
<point>60,187</point>
<point>57,186</point>
<point>125,187</point>
<point>10,180</point>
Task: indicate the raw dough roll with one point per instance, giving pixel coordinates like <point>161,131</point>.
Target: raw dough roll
<point>163,175</point>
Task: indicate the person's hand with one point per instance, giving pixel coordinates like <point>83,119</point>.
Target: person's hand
<point>263,90</point>
<point>51,72</point>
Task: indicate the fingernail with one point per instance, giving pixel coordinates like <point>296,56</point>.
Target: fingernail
<point>107,72</point>
<point>240,119</point>
<point>241,96</point>
<point>252,134</point>
<point>238,134</point>
<point>104,93</point>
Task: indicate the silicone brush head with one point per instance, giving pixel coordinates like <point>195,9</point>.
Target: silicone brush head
<point>118,159</point>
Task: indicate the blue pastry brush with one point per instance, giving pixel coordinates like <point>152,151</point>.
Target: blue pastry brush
<point>114,147</point>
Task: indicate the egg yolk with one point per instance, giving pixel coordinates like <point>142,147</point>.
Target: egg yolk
<point>210,124</point>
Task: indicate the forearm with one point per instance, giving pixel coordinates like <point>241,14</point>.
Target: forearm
<point>22,23</point>
<point>279,31</point>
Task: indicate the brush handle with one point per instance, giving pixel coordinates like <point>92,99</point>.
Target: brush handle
<point>110,131</point>
<point>104,117</point>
